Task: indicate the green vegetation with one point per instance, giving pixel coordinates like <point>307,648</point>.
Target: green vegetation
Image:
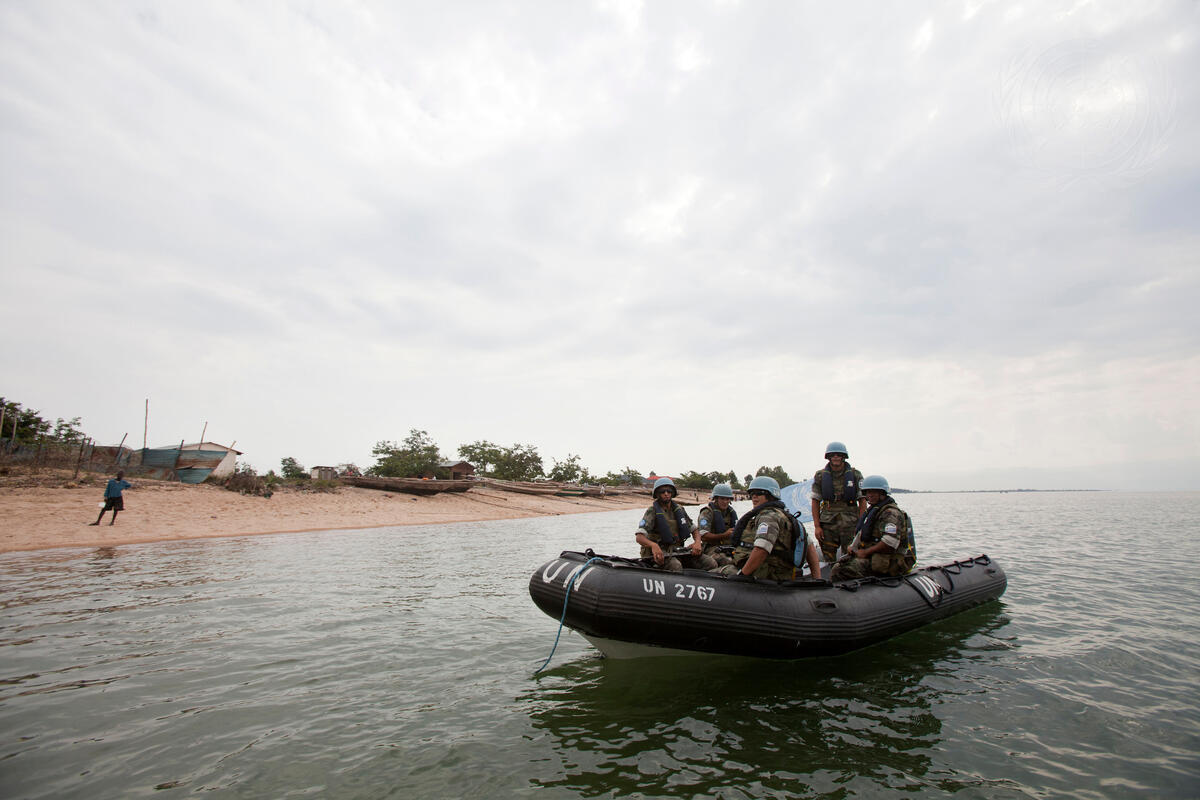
<point>24,425</point>
<point>570,471</point>
<point>778,473</point>
<point>706,480</point>
<point>418,455</point>
<point>291,469</point>
<point>628,477</point>
<point>521,462</point>
<point>245,481</point>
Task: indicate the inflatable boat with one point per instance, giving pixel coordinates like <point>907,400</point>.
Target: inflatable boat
<point>627,608</point>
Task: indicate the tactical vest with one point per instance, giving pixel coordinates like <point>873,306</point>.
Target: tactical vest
<point>850,491</point>
<point>782,549</point>
<point>721,520</point>
<point>665,534</point>
<point>865,532</point>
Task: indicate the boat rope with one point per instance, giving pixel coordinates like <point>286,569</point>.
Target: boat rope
<point>562,619</point>
<point>891,582</point>
<point>950,573</point>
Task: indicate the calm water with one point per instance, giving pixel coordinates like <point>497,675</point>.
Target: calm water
<point>399,663</point>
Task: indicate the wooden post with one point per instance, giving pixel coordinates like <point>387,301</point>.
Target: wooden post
<point>203,432</point>
<point>37,457</point>
<point>3,411</point>
<point>79,460</point>
<point>117,457</point>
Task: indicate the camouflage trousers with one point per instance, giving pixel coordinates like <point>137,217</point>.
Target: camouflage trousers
<point>720,559</point>
<point>838,529</point>
<point>678,563</point>
<point>884,566</point>
<point>769,570</point>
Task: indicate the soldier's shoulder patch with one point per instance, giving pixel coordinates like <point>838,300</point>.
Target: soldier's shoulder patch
<point>889,528</point>
<point>762,528</point>
<point>703,521</point>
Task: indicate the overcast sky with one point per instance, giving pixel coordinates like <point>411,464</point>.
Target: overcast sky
<point>963,238</point>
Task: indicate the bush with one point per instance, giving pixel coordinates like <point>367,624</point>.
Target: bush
<point>245,481</point>
<point>292,469</point>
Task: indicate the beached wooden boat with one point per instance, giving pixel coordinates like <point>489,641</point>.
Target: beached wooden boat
<point>409,485</point>
<point>521,487</point>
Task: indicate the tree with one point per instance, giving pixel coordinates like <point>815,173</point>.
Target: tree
<point>778,473</point>
<point>483,455</point>
<point>67,432</point>
<point>291,469</point>
<point>520,462</point>
<point>418,456</point>
<point>569,471</point>
<point>694,480</point>
<point>733,480</point>
<point>630,477</point>
<point>29,424</point>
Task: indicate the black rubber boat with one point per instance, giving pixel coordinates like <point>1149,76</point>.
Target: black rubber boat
<point>625,607</point>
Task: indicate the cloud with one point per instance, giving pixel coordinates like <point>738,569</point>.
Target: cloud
<point>676,236</point>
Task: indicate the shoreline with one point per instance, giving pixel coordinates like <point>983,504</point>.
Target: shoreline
<point>51,517</point>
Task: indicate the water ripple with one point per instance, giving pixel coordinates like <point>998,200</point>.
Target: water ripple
<point>392,662</point>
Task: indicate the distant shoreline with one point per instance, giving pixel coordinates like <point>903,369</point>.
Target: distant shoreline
<point>990,491</point>
<point>42,518</point>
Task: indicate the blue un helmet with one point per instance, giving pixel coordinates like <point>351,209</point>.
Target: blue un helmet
<point>722,490</point>
<point>875,482</point>
<point>661,482</point>
<point>836,447</point>
<point>767,484</point>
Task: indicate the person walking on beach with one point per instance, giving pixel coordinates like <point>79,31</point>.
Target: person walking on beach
<point>884,543</point>
<point>837,502</point>
<point>665,523</point>
<point>113,499</point>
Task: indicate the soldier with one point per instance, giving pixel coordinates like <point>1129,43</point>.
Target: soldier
<point>765,538</point>
<point>884,543</point>
<point>716,523</point>
<point>837,503</point>
<point>665,523</point>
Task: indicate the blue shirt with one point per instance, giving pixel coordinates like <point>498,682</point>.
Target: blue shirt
<point>115,487</point>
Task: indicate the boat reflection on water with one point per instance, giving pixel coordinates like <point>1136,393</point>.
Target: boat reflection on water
<point>739,727</point>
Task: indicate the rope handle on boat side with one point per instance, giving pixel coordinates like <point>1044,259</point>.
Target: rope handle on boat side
<point>566,598</point>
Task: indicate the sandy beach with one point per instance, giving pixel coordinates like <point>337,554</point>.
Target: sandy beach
<point>47,516</point>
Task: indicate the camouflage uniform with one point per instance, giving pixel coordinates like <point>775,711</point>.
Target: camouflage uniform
<point>649,527</point>
<point>839,516</point>
<point>706,524</point>
<point>889,524</point>
<point>774,530</point>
